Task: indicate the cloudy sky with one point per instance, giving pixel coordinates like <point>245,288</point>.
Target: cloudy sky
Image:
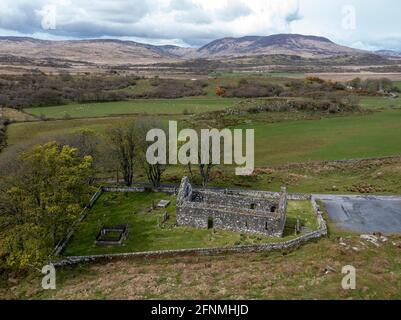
<point>357,23</point>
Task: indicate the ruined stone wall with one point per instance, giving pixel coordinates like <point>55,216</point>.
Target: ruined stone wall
<point>140,188</point>
<point>237,201</point>
<point>173,189</point>
<point>282,210</point>
<point>230,211</point>
<point>191,215</point>
<point>184,192</point>
<point>266,194</point>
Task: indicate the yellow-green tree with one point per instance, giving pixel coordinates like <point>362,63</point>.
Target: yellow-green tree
<point>40,203</point>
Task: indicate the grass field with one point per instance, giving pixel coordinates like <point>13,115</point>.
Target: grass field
<point>16,115</point>
<point>29,131</point>
<point>139,106</point>
<point>374,135</point>
<point>242,74</point>
<point>145,234</point>
<point>380,102</point>
<point>397,84</point>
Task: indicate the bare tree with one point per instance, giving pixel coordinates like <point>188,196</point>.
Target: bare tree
<point>191,171</point>
<point>123,142</point>
<point>85,140</point>
<point>153,172</point>
<point>205,168</point>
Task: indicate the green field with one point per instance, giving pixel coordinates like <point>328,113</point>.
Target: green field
<point>242,74</point>
<point>25,132</point>
<point>139,106</point>
<point>380,102</point>
<point>374,135</point>
<point>359,136</point>
<point>145,234</point>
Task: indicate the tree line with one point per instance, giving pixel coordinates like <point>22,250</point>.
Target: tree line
<point>37,89</point>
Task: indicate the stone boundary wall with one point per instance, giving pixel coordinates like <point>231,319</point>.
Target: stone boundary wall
<point>62,244</point>
<point>331,162</point>
<point>268,194</point>
<point>95,197</point>
<point>174,189</point>
<point>170,189</point>
<point>322,232</point>
<point>141,188</point>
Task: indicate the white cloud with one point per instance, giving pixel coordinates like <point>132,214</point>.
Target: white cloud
<point>193,20</point>
<point>196,22</point>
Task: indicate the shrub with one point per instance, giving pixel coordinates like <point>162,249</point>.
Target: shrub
<point>315,79</point>
<point>254,89</point>
<point>221,92</point>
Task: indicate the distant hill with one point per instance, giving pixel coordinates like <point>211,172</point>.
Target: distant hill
<point>117,52</point>
<point>389,53</point>
<point>93,51</point>
<point>288,44</point>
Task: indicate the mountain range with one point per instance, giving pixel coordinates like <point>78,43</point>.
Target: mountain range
<point>117,52</point>
<point>389,53</point>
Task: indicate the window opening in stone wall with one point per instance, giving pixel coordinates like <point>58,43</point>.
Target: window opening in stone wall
<point>210,222</point>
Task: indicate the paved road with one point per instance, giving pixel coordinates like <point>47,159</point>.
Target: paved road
<point>364,214</point>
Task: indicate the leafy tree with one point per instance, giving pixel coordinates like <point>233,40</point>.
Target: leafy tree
<point>40,202</point>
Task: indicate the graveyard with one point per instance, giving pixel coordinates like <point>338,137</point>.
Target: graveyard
<point>151,228</point>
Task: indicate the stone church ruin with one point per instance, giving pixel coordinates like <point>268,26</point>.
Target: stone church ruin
<point>251,212</point>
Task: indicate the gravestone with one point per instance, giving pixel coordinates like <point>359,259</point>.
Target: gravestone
<point>163,204</point>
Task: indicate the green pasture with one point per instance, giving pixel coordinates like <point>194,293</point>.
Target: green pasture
<point>139,106</point>
<point>397,84</point>
<point>373,135</point>
<point>380,102</point>
<point>26,132</point>
<point>241,74</point>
